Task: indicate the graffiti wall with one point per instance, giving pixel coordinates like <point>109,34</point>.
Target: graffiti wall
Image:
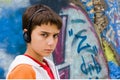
<point>89,43</point>
<point>106,23</point>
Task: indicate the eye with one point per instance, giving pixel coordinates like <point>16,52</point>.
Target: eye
<point>55,36</point>
<point>44,35</point>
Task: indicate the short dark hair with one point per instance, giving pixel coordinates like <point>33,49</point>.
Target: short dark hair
<point>39,14</point>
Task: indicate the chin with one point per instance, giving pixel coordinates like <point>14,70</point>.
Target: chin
<point>48,54</point>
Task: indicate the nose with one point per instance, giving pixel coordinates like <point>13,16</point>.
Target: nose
<point>51,41</point>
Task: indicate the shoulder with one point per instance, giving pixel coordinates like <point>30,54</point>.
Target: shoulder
<point>23,71</point>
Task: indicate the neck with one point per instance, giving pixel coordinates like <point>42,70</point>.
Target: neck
<point>42,62</point>
<point>33,54</point>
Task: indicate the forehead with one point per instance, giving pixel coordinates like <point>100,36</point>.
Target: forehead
<point>50,28</point>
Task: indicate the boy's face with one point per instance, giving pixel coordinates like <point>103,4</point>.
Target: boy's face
<point>44,39</point>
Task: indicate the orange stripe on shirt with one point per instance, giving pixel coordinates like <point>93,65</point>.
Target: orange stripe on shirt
<point>22,71</point>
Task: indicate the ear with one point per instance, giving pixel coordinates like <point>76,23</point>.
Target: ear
<point>25,30</point>
<point>26,36</point>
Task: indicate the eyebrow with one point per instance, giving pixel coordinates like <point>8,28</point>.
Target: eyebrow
<point>48,32</point>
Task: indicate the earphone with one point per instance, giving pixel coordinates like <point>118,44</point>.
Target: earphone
<point>27,35</point>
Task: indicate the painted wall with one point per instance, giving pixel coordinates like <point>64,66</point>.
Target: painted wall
<point>112,37</point>
<point>80,52</point>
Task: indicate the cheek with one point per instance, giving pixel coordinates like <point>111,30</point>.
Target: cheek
<point>35,38</point>
<point>36,41</point>
<point>37,46</point>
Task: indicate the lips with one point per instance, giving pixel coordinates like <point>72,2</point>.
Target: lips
<point>48,50</point>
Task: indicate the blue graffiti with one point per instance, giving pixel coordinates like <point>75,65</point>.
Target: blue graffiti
<point>80,48</point>
<point>94,50</point>
<point>91,67</point>
<point>78,21</point>
<point>83,38</point>
<point>11,36</point>
<point>114,70</point>
<point>70,32</point>
<point>2,72</point>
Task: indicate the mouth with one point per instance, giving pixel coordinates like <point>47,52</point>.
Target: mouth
<point>48,50</point>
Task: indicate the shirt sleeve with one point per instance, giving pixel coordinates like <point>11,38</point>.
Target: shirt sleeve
<point>22,71</point>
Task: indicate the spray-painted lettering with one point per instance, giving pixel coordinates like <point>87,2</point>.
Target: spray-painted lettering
<point>83,38</point>
<point>89,68</point>
<point>70,32</point>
